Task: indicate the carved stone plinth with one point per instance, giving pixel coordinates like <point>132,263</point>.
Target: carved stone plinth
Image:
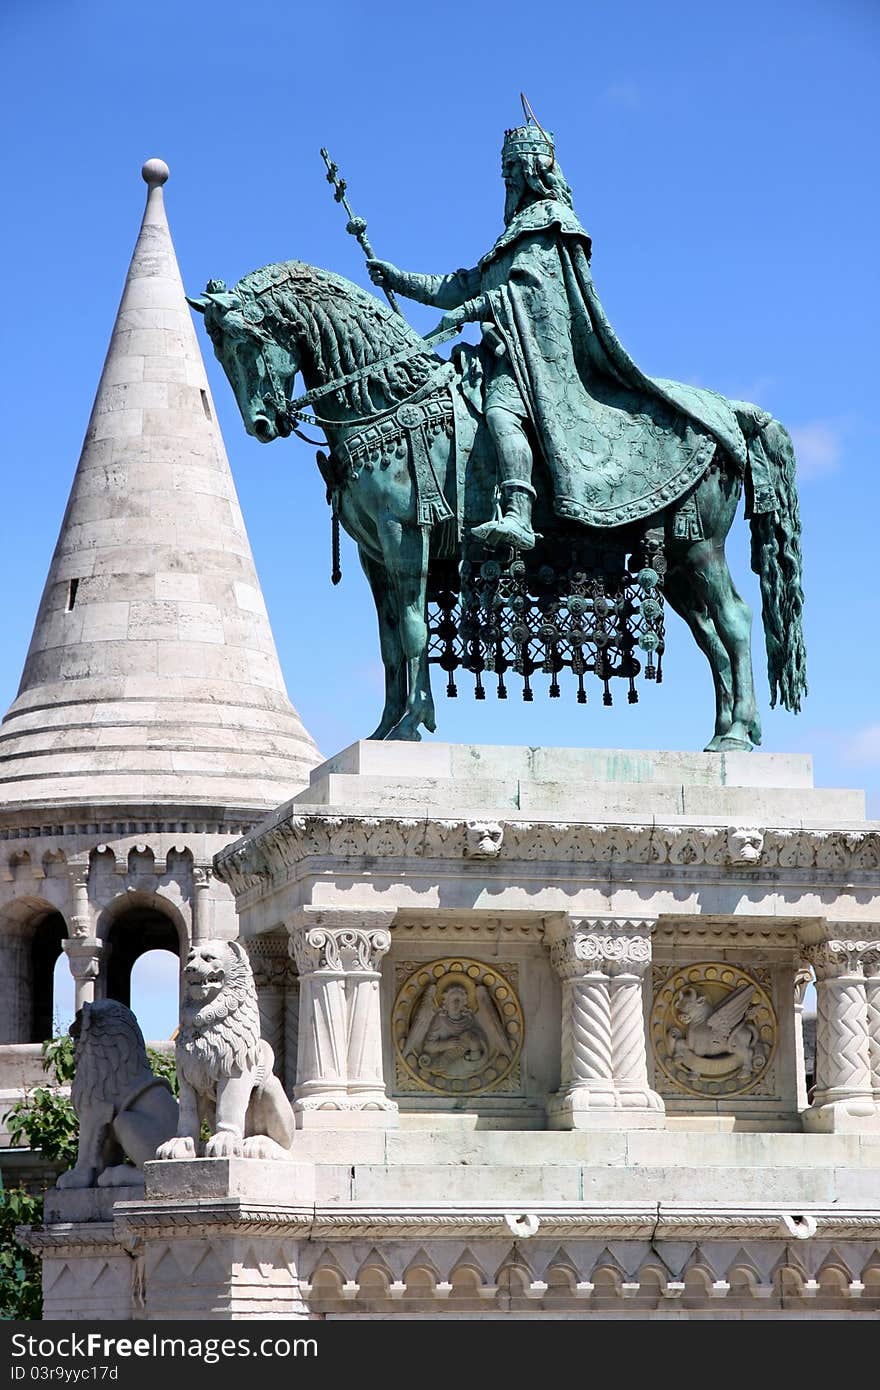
<point>602,963</point>
<point>340,1069</point>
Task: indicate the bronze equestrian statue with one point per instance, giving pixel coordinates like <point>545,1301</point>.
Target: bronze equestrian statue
<point>518,457</point>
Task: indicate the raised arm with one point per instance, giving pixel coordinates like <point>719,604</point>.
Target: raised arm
<point>442,291</point>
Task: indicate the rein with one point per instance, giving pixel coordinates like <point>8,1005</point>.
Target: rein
<point>293,410</point>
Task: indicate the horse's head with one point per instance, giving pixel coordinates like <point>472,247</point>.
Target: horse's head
<point>260,369</point>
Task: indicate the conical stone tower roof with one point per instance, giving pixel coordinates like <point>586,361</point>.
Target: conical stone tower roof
<point>152,674</point>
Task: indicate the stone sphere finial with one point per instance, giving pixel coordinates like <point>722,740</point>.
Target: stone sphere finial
<point>155,172</point>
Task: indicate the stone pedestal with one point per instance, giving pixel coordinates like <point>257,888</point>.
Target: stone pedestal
<point>548,1058</point>
<point>553,938</point>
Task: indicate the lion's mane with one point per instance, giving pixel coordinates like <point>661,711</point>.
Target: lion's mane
<point>111,1059</point>
<point>221,1037</point>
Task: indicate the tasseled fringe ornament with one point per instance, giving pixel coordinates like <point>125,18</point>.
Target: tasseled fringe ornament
<point>336,572</point>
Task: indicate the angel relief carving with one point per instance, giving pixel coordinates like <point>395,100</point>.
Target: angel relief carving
<point>457,1027</point>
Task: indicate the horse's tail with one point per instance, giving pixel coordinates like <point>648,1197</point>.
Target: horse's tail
<point>776,556</point>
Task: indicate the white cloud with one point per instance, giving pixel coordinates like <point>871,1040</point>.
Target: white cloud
<point>818,447</point>
<point>864,745</point>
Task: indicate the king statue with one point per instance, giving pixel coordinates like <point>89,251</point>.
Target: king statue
<point>557,375</point>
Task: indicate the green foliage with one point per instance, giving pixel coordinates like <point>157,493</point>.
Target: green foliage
<point>20,1282</point>
<point>58,1058</point>
<point>164,1066</point>
<point>44,1119</point>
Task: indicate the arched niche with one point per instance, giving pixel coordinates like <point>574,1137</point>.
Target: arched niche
<point>132,925</point>
<point>31,934</point>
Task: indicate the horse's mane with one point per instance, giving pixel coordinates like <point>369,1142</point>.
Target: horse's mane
<point>344,328</point>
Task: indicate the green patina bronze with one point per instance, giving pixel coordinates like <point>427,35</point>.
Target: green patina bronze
<point>516,457</point>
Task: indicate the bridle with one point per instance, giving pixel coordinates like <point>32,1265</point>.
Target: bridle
<point>292,410</point>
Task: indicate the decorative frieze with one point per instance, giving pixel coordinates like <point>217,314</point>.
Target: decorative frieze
<point>285,844</point>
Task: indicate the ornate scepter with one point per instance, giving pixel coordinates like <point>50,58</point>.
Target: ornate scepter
<point>356,226</point>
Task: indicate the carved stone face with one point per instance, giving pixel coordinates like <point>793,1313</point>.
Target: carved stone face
<point>205,971</point>
<point>455,1002</point>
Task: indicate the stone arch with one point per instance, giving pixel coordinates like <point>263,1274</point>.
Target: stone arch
<point>133,923</point>
<point>32,931</point>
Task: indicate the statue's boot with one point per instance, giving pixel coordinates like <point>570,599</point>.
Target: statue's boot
<point>515,526</point>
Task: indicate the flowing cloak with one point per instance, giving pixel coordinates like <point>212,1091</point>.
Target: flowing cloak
<point>619,445</point>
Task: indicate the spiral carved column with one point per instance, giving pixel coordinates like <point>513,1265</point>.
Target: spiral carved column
<point>629,1052</point>
<point>844,1099</point>
<point>604,1061</point>
<point>340,1027</point>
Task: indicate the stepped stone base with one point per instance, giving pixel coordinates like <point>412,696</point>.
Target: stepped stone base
<point>482,1224</point>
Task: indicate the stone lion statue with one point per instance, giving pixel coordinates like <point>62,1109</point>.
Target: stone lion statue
<point>123,1109</point>
<point>223,1065</point>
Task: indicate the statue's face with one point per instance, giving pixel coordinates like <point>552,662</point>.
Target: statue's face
<point>205,971</point>
<point>514,182</point>
<point>259,369</point>
<point>455,1001</point>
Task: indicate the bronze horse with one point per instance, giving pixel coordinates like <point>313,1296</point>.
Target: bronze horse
<point>409,472</point>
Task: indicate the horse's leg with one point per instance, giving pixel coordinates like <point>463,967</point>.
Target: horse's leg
<point>385,600</point>
<point>703,567</point>
<point>405,550</point>
<point>686,602</point>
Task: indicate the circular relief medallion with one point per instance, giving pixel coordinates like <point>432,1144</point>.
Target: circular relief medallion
<point>713,1029</point>
<point>457,1026</point>
<point>410,416</point>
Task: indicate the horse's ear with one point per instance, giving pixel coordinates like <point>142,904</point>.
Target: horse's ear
<point>200,305</point>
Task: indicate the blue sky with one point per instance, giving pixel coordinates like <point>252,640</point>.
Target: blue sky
<point>724,162</point>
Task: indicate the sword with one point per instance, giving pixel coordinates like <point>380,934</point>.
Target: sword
<point>356,226</point>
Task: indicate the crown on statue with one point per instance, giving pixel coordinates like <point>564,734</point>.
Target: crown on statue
<point>528,139</point>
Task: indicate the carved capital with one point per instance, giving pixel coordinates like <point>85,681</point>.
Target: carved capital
<point>343,950</point>
<point>842,956</point>
<point>84,957</point>
<point>607,946</point>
